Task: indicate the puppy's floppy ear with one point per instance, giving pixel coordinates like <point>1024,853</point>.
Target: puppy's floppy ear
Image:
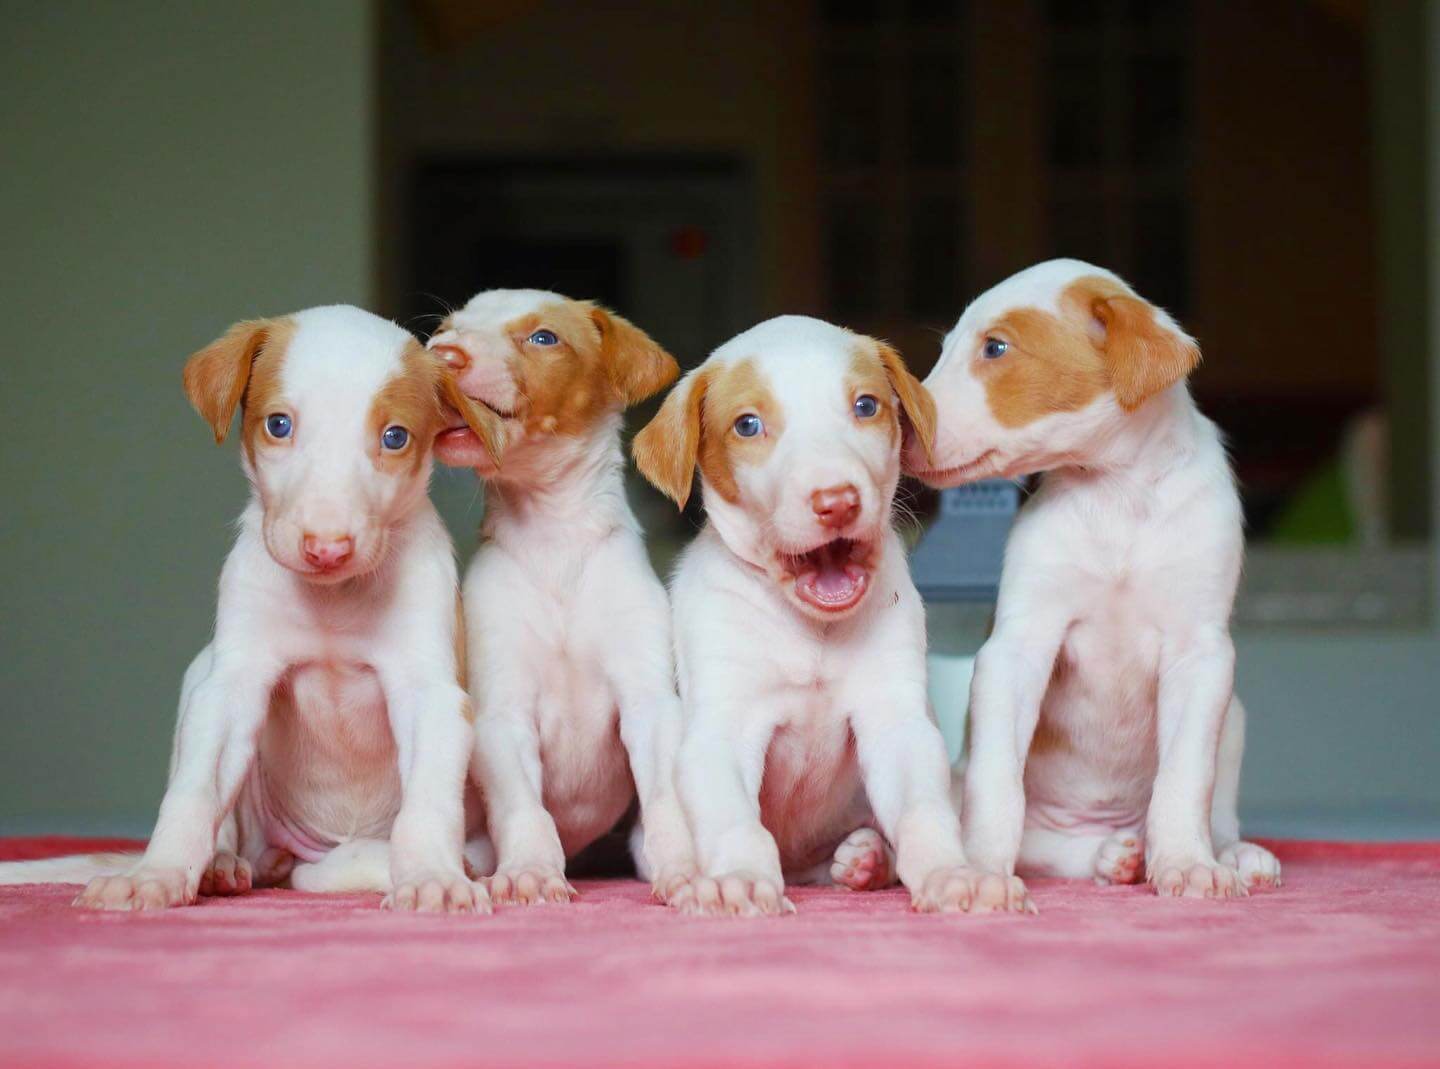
<point>487,425</point>
<point>637,366</point>
<point>917,407</point>
<point>1143,354</point>
<point>215,378</point>
<point>667,447</point>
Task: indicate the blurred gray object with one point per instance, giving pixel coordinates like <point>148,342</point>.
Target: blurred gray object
<point>960,556</point>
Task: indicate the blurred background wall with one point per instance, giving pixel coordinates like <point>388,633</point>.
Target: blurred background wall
<point>1259,167</point>
<point>168,168</point>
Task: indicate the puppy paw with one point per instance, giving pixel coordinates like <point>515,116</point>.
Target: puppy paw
<point>675,887</point>
<point>437,893</point>
<point>530,886</point>
<point>142,889</point>
<point>226,875</point>
<point>738,894</point>
<point>1120,859</point>
<point>962,889</point>
<point>1186,878</point>
<point>274,867</point>
<point>1257,866</point>
<point>863,862</point>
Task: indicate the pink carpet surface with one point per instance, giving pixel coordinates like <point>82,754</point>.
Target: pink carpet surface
<point>1340,967</point>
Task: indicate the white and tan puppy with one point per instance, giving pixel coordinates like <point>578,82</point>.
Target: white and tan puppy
<point>800,636</point>
<point>1105,738</point>
<point>571,663</point>
<point>327,714</point>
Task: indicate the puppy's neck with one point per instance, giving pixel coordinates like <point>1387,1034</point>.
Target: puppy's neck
<point>571,485</point>
<point>1143,447</point>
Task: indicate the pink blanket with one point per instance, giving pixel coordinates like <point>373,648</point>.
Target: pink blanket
<point>1341,967</point>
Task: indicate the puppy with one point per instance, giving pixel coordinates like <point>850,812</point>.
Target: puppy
<point>327,715</point>
<point>800,636</point>
<point>571,666</point>
<point>1103,729</point>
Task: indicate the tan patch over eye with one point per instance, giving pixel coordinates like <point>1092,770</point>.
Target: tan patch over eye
<point>737,389</point>
<point>1051,365</point>
<point>263,395</point>
<point>563,388</point>
<point>867,378</point>
<point>410,400</point>
<point>696,425</point>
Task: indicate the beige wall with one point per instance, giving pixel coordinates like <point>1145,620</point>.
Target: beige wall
<point>168,168</point>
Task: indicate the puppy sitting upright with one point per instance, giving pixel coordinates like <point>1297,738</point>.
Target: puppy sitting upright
<point>1103,727</point>
<point>326,715</point>
<point>569,629</point>
<point>800,636</point>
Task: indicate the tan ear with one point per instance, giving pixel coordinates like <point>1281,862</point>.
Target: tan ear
<point>666,448</point>
<point>215,378</point>
<point>637,366</point>
<point>487,425</point>
<point>1144,355</point>
<point>916,404</point>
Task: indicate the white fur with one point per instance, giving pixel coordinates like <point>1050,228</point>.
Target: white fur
<point>803,727</point>
<point>1112,628</point>
<point>325,713</point>
<point>568,627</point>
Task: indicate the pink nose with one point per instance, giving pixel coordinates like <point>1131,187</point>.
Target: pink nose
<point>836,506</point>
<point>456,358</point>
<point>327,551</point>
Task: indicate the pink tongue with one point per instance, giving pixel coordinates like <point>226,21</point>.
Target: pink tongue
<point>831,582</point>
<point>833,579</point>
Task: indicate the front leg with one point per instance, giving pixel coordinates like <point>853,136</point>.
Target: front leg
<point>433,741</point>
<point>1011,675</point>
<point>214,748</point>
<point>530,859</point>
<point>650,727</point>
<point>1197,677</point>
<point>907,777</point>
<point>718,775</point>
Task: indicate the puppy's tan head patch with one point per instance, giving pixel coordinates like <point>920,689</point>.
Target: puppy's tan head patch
<point>1142,355</point>
<point>413,399</point>
<point>880,372</point>
<point>219,377</point>
<point>696,427</point>
<point>597,360</point>
<point>1106,339</point>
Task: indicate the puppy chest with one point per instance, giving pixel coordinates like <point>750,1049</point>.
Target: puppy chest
<point>328,755</point>
<point>583,759</point>
<point>810,780</point>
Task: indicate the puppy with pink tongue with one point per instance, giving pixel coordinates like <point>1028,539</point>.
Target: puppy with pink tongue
<point>809,752</point>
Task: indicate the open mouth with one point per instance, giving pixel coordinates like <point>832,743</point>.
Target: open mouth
<point>832,577</point>
<point>458,434</point>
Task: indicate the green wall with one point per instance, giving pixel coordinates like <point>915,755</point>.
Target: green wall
<point>165,169</point>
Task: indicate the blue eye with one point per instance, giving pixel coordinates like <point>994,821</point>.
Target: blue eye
<point>994,347</point>
<point>748,426</point>
<point>866,406</point>
<point>543,337</point>
<point>278,425</point>
<point>395,437</point>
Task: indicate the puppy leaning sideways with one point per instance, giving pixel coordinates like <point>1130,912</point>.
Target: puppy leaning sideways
<point>327,714</point>
<point>571,665</point>
<point>1104,731</point>
<point>800,636</point>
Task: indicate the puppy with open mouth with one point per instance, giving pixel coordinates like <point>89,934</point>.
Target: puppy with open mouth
<point>810,753</point>
<point>568,627</point>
